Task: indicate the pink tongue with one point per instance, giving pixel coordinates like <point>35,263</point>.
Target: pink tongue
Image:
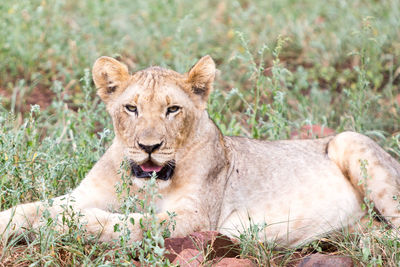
<point>149,167</point>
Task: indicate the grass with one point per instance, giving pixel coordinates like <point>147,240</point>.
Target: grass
<point>283,65</point>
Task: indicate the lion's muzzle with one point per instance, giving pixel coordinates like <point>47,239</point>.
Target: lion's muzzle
<point>146,170</point>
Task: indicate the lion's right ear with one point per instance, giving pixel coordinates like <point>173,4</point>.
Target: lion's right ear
<point>110,77</point>
<point>201,77</point>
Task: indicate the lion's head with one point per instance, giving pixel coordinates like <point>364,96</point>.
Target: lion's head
<point>154,111</point>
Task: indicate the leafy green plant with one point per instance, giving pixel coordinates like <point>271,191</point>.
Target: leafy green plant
<point>150,250</point>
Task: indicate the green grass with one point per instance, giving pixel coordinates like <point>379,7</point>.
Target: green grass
<point>283,64</point>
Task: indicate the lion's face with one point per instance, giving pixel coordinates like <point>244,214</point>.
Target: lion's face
<point>154,111</point>
<point>153,117</point>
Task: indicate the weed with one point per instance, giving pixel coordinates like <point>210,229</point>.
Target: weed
<point>150,250</point>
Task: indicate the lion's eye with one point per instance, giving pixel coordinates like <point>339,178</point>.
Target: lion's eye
<point>173,109</point>
<point>131,108</point>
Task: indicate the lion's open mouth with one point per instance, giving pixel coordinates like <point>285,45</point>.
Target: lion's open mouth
<point>146,170</point>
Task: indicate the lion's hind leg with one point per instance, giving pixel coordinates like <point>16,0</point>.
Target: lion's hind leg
<point>371,170</point>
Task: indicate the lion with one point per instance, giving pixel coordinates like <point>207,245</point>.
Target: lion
<point>298,189</point>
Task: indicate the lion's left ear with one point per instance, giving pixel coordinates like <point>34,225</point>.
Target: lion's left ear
<point>201,77</point>
<point>110,77</point>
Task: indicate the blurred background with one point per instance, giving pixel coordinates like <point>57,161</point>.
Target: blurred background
<point>288,69</point>
<point>328,54</point>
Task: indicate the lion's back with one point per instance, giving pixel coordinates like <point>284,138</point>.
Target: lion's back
<point>281,181</point>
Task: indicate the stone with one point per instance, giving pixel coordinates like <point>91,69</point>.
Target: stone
<point>322,260</point>
<point>175,245</point>
<point>189,258</point>
<point>216,244</point>
<point>211,243</point>
<point>234,262</point>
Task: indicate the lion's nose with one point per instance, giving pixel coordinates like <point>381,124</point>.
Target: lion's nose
<point>149,148</point>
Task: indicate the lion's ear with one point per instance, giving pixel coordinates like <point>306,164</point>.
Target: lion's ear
<point>201,77</point>
<point>110,77</point>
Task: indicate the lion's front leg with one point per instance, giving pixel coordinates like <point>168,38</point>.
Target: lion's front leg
<point>110,226</point>
<point>28,216</point>
<point>96,221</point>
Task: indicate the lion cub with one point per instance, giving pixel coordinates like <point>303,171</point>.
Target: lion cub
<point>300,189</point>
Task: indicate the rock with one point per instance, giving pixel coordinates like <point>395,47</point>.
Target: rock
<point>189,258</point>
<point>321,260</point>
<point>216,244</point>
<point>175,245</point>
<point>211,243</point>
<point>233,262</point>
<point>310,131</point>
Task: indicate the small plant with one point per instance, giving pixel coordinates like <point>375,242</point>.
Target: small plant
<point>368,204</point>
<point>154,231</point>
<point>265,119</point>
<point>150,250</point>
<point>250,244</point>
<point>360,99</point>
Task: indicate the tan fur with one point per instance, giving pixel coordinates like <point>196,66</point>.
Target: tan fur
<point>301,189</point>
